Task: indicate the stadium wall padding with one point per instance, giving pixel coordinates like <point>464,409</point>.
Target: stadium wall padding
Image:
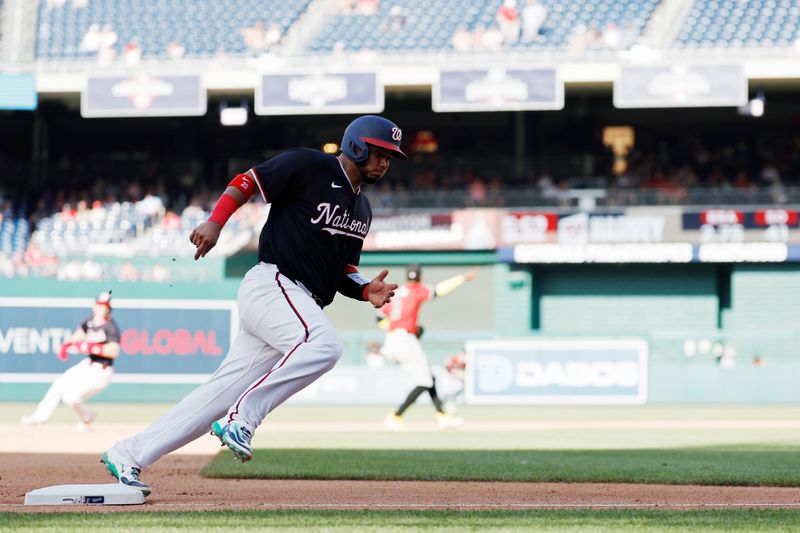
<point>715,333</point>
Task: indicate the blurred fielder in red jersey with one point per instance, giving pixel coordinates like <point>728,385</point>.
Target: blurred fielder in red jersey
<point>402,344</point>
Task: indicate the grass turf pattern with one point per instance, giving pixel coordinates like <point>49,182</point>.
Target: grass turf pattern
<point>762,465</point>
<point>577,521</point>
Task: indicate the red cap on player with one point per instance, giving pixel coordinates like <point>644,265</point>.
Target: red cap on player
<point>104,298</point>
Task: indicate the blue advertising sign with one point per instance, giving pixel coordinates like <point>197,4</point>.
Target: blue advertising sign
<point>680,85</point>
<point>498,89</point>
<point>306,93</point>
<point>178,338</point>
<point>557,371</point>
<point>18,92</point>
<point>143,95</point>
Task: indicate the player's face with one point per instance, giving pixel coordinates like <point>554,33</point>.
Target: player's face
<point>100,311</point>
<point>376,164</point>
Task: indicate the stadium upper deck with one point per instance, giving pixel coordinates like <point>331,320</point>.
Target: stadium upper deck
<point>108,29</point>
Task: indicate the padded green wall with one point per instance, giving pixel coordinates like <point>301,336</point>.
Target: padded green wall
<point>624,299</point>
<point>764,314</point>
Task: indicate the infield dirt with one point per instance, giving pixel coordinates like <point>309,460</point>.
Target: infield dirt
<point>56,454</point>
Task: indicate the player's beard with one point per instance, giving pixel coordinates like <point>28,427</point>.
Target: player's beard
<point>372,180</point>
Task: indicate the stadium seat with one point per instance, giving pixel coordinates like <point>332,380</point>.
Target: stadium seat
<point>202,28</point>
<point>431,25</point>
<point>756,23</point>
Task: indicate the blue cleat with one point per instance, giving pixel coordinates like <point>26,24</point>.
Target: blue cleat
<point>236,437</point>
<point>126,474</point>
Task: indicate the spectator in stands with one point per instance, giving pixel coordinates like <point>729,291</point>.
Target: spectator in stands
<point>70,271</point>
<point>7,269</point>
<point>490,39</point>
<point>150,206</point>
<point>255,37</point>
<point>80,4</point>
<point>673,191</point>
<point>397,19</point>
<point>477,192</point>
<point>98,213</point>
<point>159,273</point>
<point>577,41</point>
<point>508,20</point>
<point>462,40</point>
<point>611,37</point>
<point>132,53</point>
<point>108,37</point>
<point>777,192</point>
<point>175,50</point>
<point>91,39</point>
<point>494,196</point>
<point>546,186</point>
<point>128,272</point>
<point>107,50</point>
<point>133,192</point>
<point>533,16</point>
<point>91,270</point>
<point>770,173</point>
<point>344,6</point>
<point>742,181</point>
<point>367,7</point>
<point>273,35</point>
<point>67,212</point>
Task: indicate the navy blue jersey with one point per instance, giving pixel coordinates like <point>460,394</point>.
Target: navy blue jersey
<point>108,331</point>
<point>317,222</point>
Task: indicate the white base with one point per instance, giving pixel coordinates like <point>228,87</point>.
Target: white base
<point>98,494</point>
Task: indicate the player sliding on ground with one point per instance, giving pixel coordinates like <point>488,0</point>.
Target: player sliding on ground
<point>309,249</point>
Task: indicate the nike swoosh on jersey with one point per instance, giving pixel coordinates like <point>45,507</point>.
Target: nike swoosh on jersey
<point>334,186</point>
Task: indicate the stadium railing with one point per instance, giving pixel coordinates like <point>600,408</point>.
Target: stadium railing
<point>585,198</point>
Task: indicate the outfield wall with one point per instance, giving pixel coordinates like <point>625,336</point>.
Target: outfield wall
<point>714,333</point>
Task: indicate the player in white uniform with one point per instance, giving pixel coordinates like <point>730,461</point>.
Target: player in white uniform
<point>97,337</point>
<point>309,249</point>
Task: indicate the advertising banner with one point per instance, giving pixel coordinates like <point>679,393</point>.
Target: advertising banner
<point>311,92</point>
<point>18,92</point>
<point>498,89</point>
<point>680,85</point>
<point>557,371</point>
<point>161,341</point>
<point>461,229</point>
<point>143,95</point>
<point>652,235</point>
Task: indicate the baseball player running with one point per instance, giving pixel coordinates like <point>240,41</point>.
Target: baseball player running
<point>98,337</point>
<point>308,250</point>
<point>402,346</point>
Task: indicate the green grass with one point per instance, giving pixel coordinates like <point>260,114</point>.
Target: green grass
<point>704,466</point>
<point>580,521</point>
<point>725,456</point>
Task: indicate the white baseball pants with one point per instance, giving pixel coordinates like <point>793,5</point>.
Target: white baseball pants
<point>286,342</point>
<point>79,383</point>
<point>404,348</point>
